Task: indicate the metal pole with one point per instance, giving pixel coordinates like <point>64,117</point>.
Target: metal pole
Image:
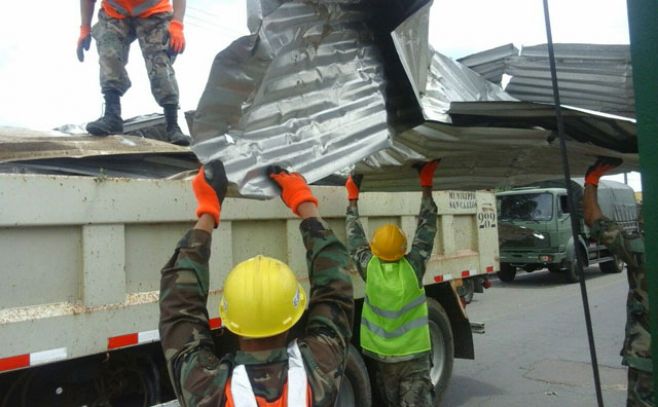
<point>575,225</point>
<point>643,25</point>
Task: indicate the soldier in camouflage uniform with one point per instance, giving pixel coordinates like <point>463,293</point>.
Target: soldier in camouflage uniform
<point>636,352</point>
<point>198,375</point>
<point>159,29</point>
<point>395,333</point>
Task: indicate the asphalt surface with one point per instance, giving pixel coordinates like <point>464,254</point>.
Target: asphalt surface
<point>534,351</point>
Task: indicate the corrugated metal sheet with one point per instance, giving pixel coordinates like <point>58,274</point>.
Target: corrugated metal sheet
<point>590,76</point>
<point>490,63</point>
<point>322,86</point>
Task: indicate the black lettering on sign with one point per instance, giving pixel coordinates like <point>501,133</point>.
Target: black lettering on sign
<point>461,200</point>
<point>487,218</point>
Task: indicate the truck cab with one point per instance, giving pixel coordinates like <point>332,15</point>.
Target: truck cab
<point>542,217</point>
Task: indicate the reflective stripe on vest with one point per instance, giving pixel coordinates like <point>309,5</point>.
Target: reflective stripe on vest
<point>124,8</point>
<point>297,386</point>
<point>394,318</point>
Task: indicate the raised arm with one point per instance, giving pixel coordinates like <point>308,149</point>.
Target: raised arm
<point>423,243</point>
<point>331,307</point>
<point>184,328</point>
<point>591,209</point>
<point>357,242</point>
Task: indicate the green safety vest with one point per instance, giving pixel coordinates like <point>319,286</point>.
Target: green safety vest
<point>394,317</point>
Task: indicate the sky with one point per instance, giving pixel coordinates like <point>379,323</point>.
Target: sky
<point>44,86</point>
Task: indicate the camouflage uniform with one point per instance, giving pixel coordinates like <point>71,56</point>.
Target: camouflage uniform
<point>199,377</point>
<point>403,380</point>
<point>113,38</point>
<point>636,352</point>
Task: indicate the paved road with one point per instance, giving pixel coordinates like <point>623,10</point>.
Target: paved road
<point>535,349</point>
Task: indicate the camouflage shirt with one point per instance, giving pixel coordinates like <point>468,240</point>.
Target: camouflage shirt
<point>420,252</point>
<point>197,374</point>
<point>630,248</point>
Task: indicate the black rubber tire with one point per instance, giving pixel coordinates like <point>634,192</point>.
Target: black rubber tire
<point>613,266</point>
<point>507,272</point>
<point>443,348</point>
<point>355,388</point>
<point>570,274</point>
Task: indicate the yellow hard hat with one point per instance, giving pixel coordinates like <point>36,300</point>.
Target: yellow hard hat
<point>261,298</point>
<point>389,243</point>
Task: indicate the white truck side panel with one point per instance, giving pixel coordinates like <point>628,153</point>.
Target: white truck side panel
<point>81,257</point>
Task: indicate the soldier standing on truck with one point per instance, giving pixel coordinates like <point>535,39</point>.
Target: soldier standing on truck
<point>261,302</point>
<point>636,352</point>
<point>394,325</point>
<point>159,29</point>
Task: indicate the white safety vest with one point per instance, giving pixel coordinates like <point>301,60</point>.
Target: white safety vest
<point>243,393</point>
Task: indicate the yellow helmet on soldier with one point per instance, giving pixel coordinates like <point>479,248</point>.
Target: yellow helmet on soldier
<point>389,243</point>
<point>261,298</point>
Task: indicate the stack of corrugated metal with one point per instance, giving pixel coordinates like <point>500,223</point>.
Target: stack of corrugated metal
<point>590,76</point>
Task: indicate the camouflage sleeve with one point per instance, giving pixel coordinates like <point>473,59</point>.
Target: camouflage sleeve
<point>608,232</point>
<point>184,330</point>
<point>357,242</point>
<point>331,307</point>
<point>421,249</point>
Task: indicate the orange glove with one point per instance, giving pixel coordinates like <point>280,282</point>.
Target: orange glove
<point>352,185</point>
<point>176,37</point>
<point>209,188</point>
<point>294,190</point>
<point>84,41</point>
<point>600,167</point>
<point>426,172</point>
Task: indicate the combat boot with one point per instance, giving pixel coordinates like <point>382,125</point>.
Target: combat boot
<point>174,133</point>
<point>111,122</point>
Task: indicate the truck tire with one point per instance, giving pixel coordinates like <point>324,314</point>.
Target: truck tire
<point>507,272</point>
<point>571,272</point>
<point>355,388</point>
<point>612,266</point>
<point>443,348</point>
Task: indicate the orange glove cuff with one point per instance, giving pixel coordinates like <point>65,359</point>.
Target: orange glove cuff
<point>206,197</point>
<point>294,190</point>
<point>176,37</point>
<point>352,189</point>
<point>427,174</point>
<point>85,30</point>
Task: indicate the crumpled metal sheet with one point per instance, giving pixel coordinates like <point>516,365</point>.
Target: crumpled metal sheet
<point>490,64</point>
<point>306,91</point>
<point>318,89</point>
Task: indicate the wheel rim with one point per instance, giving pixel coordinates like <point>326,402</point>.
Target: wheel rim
<point>346,396</point>
<point>438,352</point>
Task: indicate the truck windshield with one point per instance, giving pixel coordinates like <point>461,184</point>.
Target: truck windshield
<point>529,207</point>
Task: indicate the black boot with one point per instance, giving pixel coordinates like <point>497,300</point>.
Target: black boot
<point>111,122</point>
<point>174,133</point>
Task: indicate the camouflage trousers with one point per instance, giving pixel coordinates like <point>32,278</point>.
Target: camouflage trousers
<point>640,388</point>
<point>405,384</point>
<point>113,38</point>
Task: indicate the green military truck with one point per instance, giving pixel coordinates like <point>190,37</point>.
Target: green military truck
<point>541,215</point>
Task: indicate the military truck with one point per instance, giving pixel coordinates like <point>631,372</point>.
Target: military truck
<point>542,210</point>
<point>81,269</point>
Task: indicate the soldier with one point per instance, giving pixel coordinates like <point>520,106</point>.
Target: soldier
<point>394,326</point>
<point>159,29</point>
<point>261,301</point>
<point>636,352</point>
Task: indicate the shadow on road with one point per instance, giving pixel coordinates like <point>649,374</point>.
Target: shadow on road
<point>476,389</point>
<point>543,278</point>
